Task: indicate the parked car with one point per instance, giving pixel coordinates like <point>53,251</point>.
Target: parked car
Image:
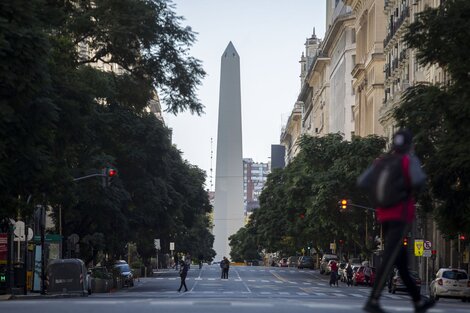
<point>358,276</point>
<point>398,284</point>
<point>101,279</point>
<point>283,262</point>
<point>125,274</point>
<point>292,261</point>
<point>450,283</point>
<point>67,276</point>
<point>324,262</point>
<point>306,261</point>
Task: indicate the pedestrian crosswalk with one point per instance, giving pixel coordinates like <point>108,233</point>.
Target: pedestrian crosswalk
<point>304,294</point>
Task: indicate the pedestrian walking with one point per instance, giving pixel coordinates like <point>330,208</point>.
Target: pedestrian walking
<point>333,273</point>
<point>183,273</point>
<point>390,182</point>
<point>225,265</point>
<point>367,274</point>
<point>176,260</point>
<point>349,275</point>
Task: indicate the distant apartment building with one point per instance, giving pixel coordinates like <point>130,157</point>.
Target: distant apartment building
<point>254,178</point>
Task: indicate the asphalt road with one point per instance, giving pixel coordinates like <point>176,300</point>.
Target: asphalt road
<point>248,289</point>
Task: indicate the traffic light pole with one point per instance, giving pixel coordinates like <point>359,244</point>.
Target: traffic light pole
<point>361,207</point>
<point>89,176</point>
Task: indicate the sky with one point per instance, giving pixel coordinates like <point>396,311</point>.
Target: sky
<point>269,36</point>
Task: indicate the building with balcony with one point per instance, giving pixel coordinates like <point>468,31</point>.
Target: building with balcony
<point>291,132</point>
<point>339,45</point>
<point>401,71</point>
<point>397,61</point>
<point>368,75</point>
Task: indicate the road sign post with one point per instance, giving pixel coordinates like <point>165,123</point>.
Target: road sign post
<point>156,242</point>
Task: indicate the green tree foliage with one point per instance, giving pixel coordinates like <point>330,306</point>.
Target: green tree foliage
<point>299,204</point>
<point>62,118</point>
<point>438,114</point>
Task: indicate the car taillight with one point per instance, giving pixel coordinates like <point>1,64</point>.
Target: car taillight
<point>439,282</point>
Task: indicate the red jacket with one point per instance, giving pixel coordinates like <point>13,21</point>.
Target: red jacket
<point>404,211</point>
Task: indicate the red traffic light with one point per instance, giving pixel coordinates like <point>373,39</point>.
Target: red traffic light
<point>462,237</point>
<point>111,172</point>
<point>302,216</point>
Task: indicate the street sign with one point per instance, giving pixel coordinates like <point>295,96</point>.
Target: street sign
<point>427,253</point>
<point>172,246</point>
<point>427,245</point>
<point>21,238</point>
<point>419,247</point>
<point>156,243</point>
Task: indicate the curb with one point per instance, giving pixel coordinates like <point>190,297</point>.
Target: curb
<point>5,297</point>
<point>40,296</point>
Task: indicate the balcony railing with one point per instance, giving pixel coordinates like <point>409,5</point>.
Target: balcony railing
<point>395,25</point>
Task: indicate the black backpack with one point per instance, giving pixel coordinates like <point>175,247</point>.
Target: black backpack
<point>385,182</point>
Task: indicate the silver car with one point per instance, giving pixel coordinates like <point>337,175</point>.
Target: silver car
<point>450,283</point>
<point>324,268</point>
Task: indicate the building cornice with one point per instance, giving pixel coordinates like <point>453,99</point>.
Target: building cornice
<point>333,31</point>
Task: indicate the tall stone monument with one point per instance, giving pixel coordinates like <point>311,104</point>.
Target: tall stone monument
<point>228,206</point>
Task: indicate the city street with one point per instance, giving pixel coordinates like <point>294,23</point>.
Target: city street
<point>248,289</point>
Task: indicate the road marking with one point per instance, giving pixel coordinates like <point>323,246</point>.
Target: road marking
<point>211,279</point>
<point>284,293</point>
<point>264,281</point>
<point>307,283</point>
<point>357,295</point>
<point>278,281</point>
<point>229,292</point>
<point>251,280</point>
<point>321,294</point>
<point>302,293</point>
<point>265,293</point>
<point>198,278</point>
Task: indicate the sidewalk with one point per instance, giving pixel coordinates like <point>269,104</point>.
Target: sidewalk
<point>35,296</point>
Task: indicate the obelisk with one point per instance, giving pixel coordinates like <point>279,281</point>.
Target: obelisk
<point>228,205</point>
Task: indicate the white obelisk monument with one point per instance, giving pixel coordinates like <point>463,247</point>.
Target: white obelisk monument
<point>228,205</point>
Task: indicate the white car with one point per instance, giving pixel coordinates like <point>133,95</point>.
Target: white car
<point>450,283</point>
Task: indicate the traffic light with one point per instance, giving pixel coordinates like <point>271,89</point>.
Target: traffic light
<point>405,241</point>
<point>343,204</point>
<point>108,173</point>
<point>302,216</point>
<point>462,237</point>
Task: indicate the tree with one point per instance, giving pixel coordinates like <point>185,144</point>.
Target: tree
<point>437,114</point>
<point>62,118</point>
<point>298,205</point>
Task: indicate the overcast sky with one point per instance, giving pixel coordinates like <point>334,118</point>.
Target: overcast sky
<point>269,36</point>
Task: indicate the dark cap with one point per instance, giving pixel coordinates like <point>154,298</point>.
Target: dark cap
<point>402,140</point>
